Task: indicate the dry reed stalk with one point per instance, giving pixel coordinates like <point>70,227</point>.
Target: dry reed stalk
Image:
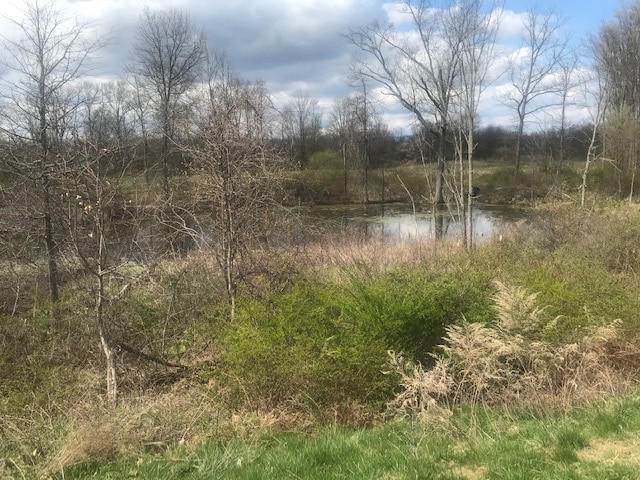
<point>507,364</point>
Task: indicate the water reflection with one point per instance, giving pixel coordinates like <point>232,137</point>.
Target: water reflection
<point>400,222</point>
<point>393,222</point>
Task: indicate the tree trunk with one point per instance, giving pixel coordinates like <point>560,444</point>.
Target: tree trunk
<point>109,354</point>
<point>519,143</point>
<point>469,217</point>
<point>112,379</point>
<point>442,164</point>
<point>50,243</point>
<point>344,170</point>
<point>583,187</point>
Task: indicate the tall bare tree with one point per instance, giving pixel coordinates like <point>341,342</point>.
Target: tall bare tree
<point>169,53</point>
<point>49,53</point>
<point>140,104</point>
<point>364,116</point>
<point>595,100</point>
<point>568,80</point>
<point>617,51</point>
<point>531,69</point>
<point>418,69</point>
<point>344,125</point>
<point>301,126</point>
<point>239,174</point>
<point>477,31</point>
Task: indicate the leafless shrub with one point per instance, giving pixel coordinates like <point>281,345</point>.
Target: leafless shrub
<point>509,364</point>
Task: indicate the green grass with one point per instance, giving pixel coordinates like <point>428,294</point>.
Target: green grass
<point>472,444</point>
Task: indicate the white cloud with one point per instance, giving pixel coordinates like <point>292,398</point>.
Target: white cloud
<point>510,25</point>
<point>396,14</point>
<point>290,44</point>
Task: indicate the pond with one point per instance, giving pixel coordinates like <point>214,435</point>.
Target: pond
<point>393,222</point>
<point>399,222</point>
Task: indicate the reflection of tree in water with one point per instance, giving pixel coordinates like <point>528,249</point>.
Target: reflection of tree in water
<point>392,222</point>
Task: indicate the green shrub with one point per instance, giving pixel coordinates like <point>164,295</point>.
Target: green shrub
<point>607,179</point>
<point>620,244</point>
<point>300,346</point>
<point>411,308</point>
<point>324,160</point>
<point>328,342</point>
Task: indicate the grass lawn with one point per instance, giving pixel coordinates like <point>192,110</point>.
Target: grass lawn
<point>601,441</point>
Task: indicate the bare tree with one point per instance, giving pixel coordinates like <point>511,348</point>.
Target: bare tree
<point>50,53</point>
<point>477,31</point>
<point>102,228</point>
<point>169,53</point>
<point>353,120</point>
<point>239,174</point>
<point>617,51</point>
<point>364,116</point>
<point>532,67</point>
<point>247,104</point>
<point>94,197</point>
<point>417,70</point>
<point>596,101</point>
<point>301,125</point>
<point>140,104</point>
<point>568,81</point>
<point>106,119</point>
<point>344,125</point>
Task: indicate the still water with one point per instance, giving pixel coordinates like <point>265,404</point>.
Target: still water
<point>395,222</point>
<point>400,222</point>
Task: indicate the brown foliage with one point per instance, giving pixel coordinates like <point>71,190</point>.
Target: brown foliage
<point>510,364</point>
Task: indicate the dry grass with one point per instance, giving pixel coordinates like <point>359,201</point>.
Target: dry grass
<point>609,451</point>
<point>187,415</point>
<point>478,473</point>
<point>341,254</point>
<point>100,433</point>
<point>509,364</point>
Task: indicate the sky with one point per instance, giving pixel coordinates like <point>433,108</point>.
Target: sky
<point>297,45</point>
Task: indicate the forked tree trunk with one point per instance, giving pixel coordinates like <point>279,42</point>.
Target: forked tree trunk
<point>585,172</point>
<point>101,254</point>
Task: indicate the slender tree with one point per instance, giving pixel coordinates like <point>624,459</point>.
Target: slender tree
<point>595,101</point>
<point>343,125</point>
<point>477,30</point>
<point>568,81</point>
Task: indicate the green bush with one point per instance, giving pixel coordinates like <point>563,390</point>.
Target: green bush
<point>324,160</point>
<point>621,244</point>
<point>300,346</point>
<point>607,179</point>
<point>328,342</point>
<point>582,264</point>
<point>411,307</point>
